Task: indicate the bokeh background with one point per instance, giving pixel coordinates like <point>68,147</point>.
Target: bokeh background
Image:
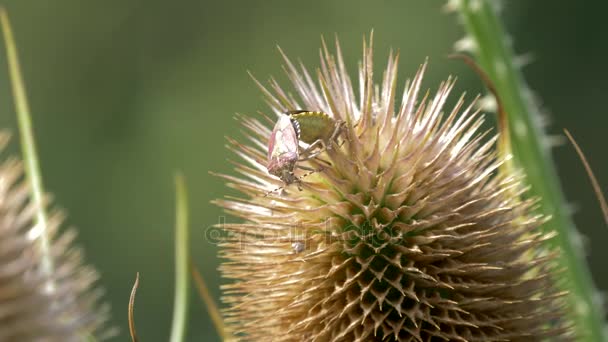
<point>124,92</point>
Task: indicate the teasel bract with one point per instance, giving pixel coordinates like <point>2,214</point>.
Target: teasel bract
<point>37,305</point>
<point>409,231</point>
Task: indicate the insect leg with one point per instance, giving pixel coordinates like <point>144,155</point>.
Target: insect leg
<point>336,133</point>
<point>318,144</point>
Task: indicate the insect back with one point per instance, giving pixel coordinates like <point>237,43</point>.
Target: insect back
<point>313,126</point>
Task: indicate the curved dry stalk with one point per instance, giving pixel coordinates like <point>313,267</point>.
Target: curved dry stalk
<point>212,308</point>
<point>132,330</point>
<point>504,142</point>
<point>594,183</point>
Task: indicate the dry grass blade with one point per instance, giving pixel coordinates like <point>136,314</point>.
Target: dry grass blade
<point>594,183</point>
<point>132,330</point>
<point>203,292</point>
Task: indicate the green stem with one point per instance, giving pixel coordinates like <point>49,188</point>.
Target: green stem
<point>28,144</point>
<point>180,308</point>
<point>496,57</point>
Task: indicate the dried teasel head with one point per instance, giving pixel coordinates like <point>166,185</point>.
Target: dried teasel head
<point>408,232</point>
<point>36,305</point>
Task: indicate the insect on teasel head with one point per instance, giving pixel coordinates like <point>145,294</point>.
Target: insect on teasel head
<point>317,130</point>
<point>410,233</point>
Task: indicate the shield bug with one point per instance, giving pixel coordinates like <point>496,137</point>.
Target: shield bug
<point>316,129</point>
<point>283,150</point>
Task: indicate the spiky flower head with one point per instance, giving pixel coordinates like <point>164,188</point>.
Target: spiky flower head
<point>408,231</point>
<point>36,305</point>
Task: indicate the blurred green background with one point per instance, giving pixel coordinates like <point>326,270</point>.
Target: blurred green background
<point>124,92</point>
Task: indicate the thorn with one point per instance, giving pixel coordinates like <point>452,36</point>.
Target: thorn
<point>599,299</point>
<point>543,120</point>
<point>497,6</point>
<point>524,60</point>
<point>451,6</point>
<point>581,242</point>
<point>552,141</point>
<point>466,44</point>
<point>475,5</point>
<point>571,208</point>
<point>488,103</point>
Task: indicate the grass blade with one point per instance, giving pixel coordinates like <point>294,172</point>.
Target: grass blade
<point>182,253</point>
<point>28,144</point>
<point>212,308</point>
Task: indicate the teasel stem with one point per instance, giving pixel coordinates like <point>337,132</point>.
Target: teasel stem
<point>28,144</point>
<point>182,254</point>
<point>489,44</point>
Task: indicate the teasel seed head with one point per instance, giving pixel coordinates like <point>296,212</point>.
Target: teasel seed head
<point>36,306</point>
<point>408,232</point>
